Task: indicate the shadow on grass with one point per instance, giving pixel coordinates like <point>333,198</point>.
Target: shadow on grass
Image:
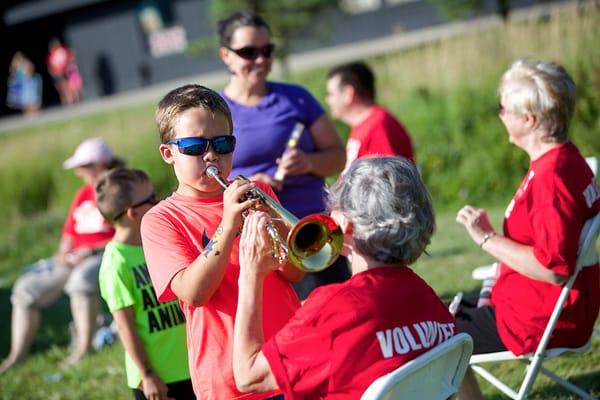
<point>590,382</point>
<point>54,328</point>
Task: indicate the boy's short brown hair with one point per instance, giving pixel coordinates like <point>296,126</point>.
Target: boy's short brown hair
<point>183,98</point>
<point>114,191</point>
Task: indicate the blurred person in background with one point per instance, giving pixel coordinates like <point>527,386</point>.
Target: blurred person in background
<point>24,86</point>
<point>74,268</point>
<point>351,98</point>
<point>264,116</point>
<point>63,70</point>
<point>538,247</point>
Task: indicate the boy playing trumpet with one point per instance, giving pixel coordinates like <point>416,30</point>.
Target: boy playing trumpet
<point>191,243</point>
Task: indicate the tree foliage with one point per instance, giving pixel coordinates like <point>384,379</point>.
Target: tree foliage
<point>456,9</point>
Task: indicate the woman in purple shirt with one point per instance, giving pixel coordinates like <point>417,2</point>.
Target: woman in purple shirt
<point>264,115</point>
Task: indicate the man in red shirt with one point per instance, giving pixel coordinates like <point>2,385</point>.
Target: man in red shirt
<point>347,334</point>
<point>351,98</point>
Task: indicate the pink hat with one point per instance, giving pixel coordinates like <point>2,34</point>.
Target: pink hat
<point>90,151</point>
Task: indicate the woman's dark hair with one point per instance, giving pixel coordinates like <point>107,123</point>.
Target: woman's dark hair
<point>227,26</point>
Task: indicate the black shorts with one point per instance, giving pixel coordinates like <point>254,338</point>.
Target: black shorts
<point>181,390</point>
<point>480,323</point>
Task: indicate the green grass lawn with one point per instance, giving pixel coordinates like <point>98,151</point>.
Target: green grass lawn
<point>452,256</point>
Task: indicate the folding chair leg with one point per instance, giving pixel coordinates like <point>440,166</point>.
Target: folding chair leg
<point>495,381</point>
<point>567,385</point>
<point>531,373</point>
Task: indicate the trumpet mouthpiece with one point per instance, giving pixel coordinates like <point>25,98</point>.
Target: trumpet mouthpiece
<point>212,171</point>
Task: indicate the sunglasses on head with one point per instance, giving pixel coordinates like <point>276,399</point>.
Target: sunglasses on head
<point>252,52</point>
<point>152,199</point>
<point>197,146</point>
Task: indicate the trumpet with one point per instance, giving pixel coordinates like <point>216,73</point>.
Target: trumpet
<point>313,242</point>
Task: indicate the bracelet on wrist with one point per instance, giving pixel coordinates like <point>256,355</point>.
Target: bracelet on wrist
<point>147,372</point>
<point>486,237</point>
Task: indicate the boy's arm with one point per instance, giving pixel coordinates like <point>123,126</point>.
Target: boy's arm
<point>196,284</point>
<point>151,385</point>
<point>64,247</point>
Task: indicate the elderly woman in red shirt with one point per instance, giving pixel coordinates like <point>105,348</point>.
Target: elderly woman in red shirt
<point>537,248</point>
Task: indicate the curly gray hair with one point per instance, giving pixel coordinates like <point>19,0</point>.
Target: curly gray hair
<point>389,207</point>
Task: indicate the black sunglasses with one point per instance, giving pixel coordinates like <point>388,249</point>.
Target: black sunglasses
<point>196,146</point>
<point>252,52</point>
<point>152,199</point>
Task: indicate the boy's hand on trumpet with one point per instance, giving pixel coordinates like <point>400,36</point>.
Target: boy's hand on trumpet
<point>256,246</point>
<point>235,203</point>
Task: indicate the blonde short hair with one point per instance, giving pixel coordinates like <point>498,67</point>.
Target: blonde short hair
<point>182,99</point>
<point>543,89</point>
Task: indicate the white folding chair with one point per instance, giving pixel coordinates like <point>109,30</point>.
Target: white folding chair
<point>593,163</point>
<point>587,256</point>
<point>436,374</point>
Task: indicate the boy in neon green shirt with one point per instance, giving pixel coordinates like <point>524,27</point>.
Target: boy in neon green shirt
<point>152,333</point>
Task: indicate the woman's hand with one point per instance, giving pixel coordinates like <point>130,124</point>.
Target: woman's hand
<point>256,246</point>
<point>234,203</point>
<point>262,177</point>
<point>476,221</point>
<point>295,162</point>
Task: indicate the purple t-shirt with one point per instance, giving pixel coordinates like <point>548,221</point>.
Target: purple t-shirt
<point>262,132</point>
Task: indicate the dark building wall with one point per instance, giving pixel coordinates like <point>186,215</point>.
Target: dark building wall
<point>108,47</point>
<point>112,52</point>
<point>109,44</point>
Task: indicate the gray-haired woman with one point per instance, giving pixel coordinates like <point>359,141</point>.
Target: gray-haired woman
<point>347,334</point>
<point>538,248</point>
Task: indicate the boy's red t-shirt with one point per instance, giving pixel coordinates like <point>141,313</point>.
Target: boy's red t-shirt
<point>347,335</point>
<point>84,223</point>
<point>558,194</point>
<point>174,234</point>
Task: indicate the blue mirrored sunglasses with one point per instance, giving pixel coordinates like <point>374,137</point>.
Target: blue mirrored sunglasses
<point>196,146</point>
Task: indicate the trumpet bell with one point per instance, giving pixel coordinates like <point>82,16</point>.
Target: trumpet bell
<point>314,243</point>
